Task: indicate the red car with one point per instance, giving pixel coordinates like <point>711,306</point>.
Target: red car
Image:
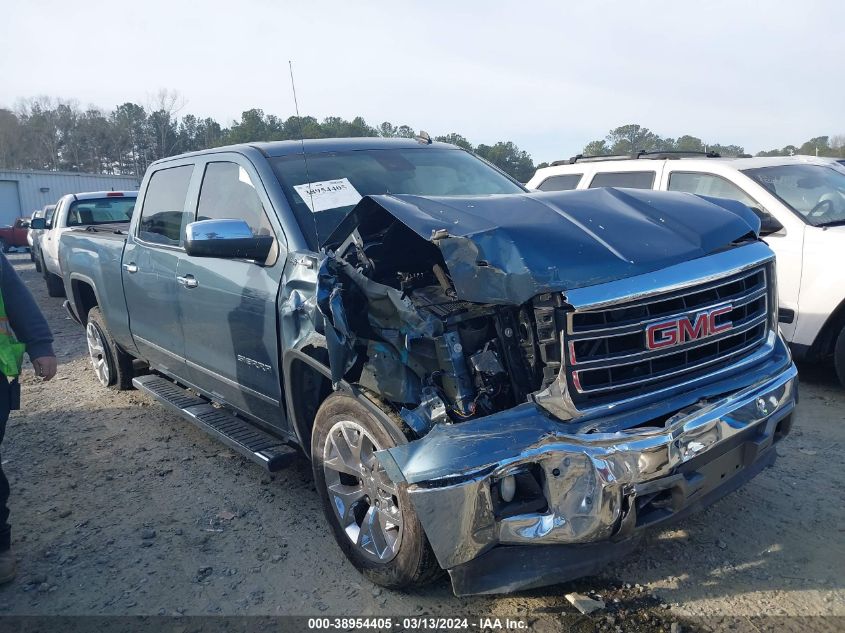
<point>14,235</point>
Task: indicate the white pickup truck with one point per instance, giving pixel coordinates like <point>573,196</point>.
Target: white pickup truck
<point>801,202</point>
<point>73,211</point>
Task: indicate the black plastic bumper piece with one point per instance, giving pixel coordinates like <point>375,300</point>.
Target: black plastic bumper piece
<point>509,568</point>
<point>520,567</point>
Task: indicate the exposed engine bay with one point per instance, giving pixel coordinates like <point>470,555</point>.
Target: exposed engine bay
<point>410,339</point>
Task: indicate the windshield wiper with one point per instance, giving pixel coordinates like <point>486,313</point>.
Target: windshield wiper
<point>840,222</point>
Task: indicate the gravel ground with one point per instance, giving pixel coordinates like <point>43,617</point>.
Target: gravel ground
<point>121,508</point>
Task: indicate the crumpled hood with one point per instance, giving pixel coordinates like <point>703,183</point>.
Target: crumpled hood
<point>509,248</point>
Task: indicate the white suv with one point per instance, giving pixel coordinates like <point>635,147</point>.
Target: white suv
<point>801,202</point>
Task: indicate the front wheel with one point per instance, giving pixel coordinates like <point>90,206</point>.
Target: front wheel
<point>839,357</point>
<point>112,366</point>
<point>371,517</point>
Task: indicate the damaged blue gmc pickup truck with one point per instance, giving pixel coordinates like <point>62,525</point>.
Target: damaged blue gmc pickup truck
<point>510,386</point>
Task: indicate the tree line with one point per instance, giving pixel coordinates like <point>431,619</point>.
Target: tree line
<point>53,134</point>
<point>631,138</point>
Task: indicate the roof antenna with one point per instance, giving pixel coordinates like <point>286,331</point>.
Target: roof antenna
<point>304,154</point>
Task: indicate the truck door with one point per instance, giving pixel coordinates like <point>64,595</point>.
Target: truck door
<point>150,263</point>
<point>228,306</point>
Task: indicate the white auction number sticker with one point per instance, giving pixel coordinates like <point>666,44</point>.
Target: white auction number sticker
<point>328,194</point>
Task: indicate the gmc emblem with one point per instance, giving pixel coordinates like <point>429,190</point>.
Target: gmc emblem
<point>677,331</point>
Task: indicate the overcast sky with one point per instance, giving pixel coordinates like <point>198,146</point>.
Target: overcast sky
<point>550,76</point>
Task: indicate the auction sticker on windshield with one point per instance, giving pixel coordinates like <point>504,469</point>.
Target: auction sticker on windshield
<point>328,194</point>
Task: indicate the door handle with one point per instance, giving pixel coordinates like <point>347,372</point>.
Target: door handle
<point>188,281</point>
<point>131,267</point>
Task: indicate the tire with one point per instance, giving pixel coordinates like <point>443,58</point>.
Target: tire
<point>839,357</point>
<point>406,560</point>
<point>112,366</point>
<point>55,285</point>
<point>3,246</point>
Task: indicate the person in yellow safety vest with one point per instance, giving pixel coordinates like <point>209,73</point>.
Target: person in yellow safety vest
<point>22,329</point>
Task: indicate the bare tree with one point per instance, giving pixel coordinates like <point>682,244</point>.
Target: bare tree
<point>38,115</point>
<point>164,107</point>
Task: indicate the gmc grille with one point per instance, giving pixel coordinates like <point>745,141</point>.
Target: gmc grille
<point>606,352</point>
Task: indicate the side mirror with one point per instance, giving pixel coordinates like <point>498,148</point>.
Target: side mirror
<point>24,224</point>
<point>769,224</point>
<point>38,223</point>
<point>226,239</point>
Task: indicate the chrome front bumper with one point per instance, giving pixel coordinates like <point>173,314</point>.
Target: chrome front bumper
<point>598,486</point>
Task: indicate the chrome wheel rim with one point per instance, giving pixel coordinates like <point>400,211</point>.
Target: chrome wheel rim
<point>364,499</point>
<point>97,352</point>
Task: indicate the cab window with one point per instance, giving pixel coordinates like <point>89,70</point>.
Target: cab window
<point>163,217</point>
<point>709,185</point>
<point>563,182</point>
<point>228,193</point>
<point>630,179</point>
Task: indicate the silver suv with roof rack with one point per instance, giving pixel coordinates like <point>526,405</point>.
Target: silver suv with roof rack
<point>801,204</point>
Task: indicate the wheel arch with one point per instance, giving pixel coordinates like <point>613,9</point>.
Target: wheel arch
<point>84,296</point>
<point>308,383</point>
<point>825,340</point>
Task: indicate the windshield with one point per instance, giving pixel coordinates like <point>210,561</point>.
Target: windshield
<point>338,180</point>
<point>815,192</point>
<point>100,211</point>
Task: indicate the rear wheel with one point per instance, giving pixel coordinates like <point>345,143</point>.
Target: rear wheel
<point>371,517</point>
<point>55,285</point>
<point>839,357</point>
<point>112,366</point>
<point>4,246</point>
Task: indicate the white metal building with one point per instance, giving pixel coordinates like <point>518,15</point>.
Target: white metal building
<point>22,192</point>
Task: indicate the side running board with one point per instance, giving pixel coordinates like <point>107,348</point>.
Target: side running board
<point>237,433</point>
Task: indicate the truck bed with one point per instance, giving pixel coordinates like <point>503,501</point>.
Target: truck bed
<point>91,257</point>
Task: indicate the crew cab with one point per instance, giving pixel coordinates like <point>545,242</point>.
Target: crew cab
<point>15,235</point>
<point>800,201</point>
<point>72,211</point>
<point>510,386</point>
